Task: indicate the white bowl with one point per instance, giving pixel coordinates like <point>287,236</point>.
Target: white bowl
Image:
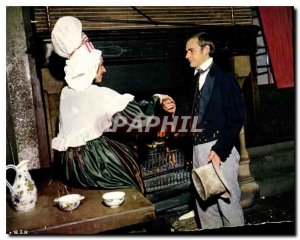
<point>69,202</point>
<point>113,199</point>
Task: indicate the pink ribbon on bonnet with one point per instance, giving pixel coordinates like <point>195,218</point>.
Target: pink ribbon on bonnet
<point>86,42</point>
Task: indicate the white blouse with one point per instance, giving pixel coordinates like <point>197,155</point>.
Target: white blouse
<point>85,115</point>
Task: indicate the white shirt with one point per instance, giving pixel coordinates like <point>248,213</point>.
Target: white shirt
<point>85,115</point>
<point>204,67</point>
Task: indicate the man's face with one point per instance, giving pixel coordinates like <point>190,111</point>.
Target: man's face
<point>195,54</point>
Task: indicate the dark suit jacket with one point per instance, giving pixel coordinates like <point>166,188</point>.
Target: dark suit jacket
<point>221,108</point>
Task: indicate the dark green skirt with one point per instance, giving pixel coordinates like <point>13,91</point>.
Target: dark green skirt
<point>101,163</point>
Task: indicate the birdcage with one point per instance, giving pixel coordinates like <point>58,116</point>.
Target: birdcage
<point>164,168</point>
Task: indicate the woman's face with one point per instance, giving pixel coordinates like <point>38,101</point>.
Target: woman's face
<point>101,70</point>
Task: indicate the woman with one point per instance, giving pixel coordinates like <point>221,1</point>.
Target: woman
<point>88,158</point>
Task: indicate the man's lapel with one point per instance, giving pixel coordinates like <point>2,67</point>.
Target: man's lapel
<point>206,92</point>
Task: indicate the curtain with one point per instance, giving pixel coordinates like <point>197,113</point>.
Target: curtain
<point>277,24</point>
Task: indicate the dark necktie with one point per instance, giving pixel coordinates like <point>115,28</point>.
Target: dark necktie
<point>196,102</point>
<point>195,109</point>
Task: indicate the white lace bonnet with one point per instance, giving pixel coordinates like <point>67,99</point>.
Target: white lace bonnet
<point>82,59</point>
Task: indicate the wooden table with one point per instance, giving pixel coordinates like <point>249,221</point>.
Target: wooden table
<point>91,217</point>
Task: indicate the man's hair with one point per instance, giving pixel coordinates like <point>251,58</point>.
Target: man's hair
<point>204,39</point>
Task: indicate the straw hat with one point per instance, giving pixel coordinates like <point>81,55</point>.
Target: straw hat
<point>209,181</point>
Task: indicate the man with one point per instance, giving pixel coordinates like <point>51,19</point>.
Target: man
<point>220,116</point>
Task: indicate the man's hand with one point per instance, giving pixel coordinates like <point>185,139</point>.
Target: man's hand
<point>168,103</point>
<point>214,156</point>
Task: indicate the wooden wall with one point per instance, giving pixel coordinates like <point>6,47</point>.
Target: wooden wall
<point>143,17</point>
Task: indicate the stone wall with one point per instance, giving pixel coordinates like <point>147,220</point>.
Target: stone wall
<point>19,85</point>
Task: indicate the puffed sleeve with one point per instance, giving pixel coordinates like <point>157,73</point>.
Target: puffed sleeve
<point>115,102</point>
<point>142,110</point>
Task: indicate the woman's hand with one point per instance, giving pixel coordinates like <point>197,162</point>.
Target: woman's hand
<point>168,103</point>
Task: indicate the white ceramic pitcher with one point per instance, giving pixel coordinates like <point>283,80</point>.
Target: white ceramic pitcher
<point>23,192</point>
